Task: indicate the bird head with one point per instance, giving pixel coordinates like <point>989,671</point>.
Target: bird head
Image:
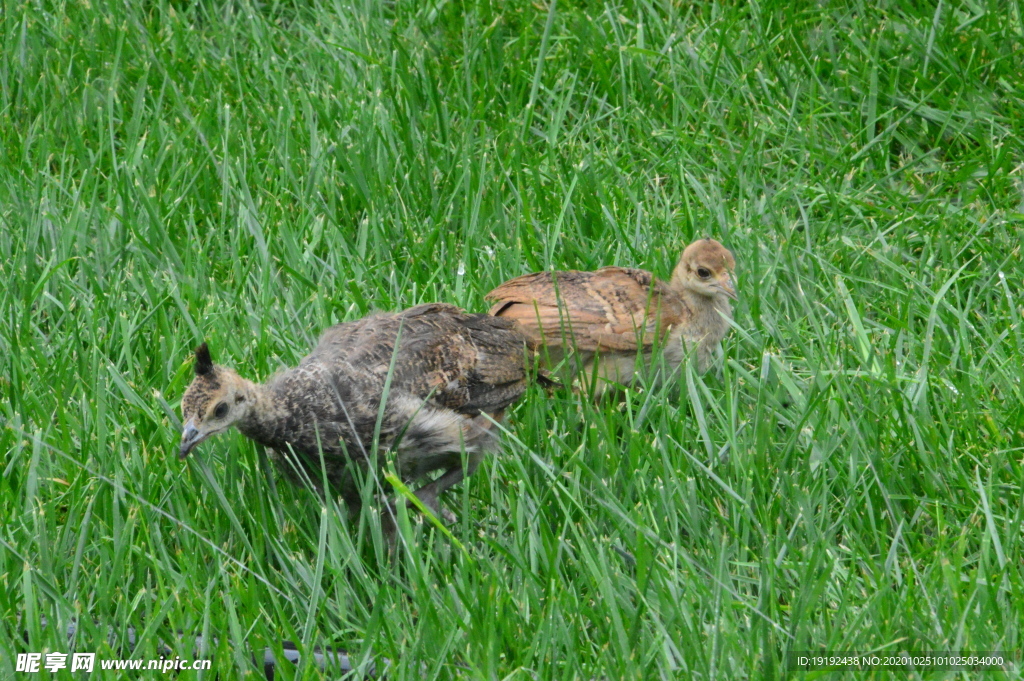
<point>217,399</point>
<point>706,268</point>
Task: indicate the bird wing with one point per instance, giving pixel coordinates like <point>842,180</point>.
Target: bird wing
<point>470,363</point>
<point>611,309</point>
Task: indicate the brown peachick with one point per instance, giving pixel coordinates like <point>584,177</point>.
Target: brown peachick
<point>615,316</point>
<point>448,376</point>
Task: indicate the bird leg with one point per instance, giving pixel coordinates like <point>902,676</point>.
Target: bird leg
<point>430,492</point>
<point>429,495</point>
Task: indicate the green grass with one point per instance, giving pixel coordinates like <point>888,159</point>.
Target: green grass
<point>248,174</point>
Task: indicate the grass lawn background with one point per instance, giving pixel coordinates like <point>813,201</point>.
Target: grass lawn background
<point>250,173</point>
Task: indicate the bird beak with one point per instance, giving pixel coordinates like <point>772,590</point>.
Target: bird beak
<point>726,284</point>
<point>190,437</point>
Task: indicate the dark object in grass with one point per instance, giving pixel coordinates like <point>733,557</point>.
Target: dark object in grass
<point>607,317</point>
<point>448,377</point>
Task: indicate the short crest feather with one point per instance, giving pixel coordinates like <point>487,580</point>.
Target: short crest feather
<point>204,363</point>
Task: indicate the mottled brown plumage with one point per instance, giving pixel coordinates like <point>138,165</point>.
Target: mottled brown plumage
<point>450,370</point>
<point>617,314</point>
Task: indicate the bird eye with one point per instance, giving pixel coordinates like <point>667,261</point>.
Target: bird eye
<point>703,272</point>
<point>221,411</point>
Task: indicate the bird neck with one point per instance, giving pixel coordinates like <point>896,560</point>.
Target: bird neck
<point>704,305</point>
<point>264,417</point>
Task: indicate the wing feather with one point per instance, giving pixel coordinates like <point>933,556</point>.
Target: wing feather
<point>611,309</point>
<point>465,362</point>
